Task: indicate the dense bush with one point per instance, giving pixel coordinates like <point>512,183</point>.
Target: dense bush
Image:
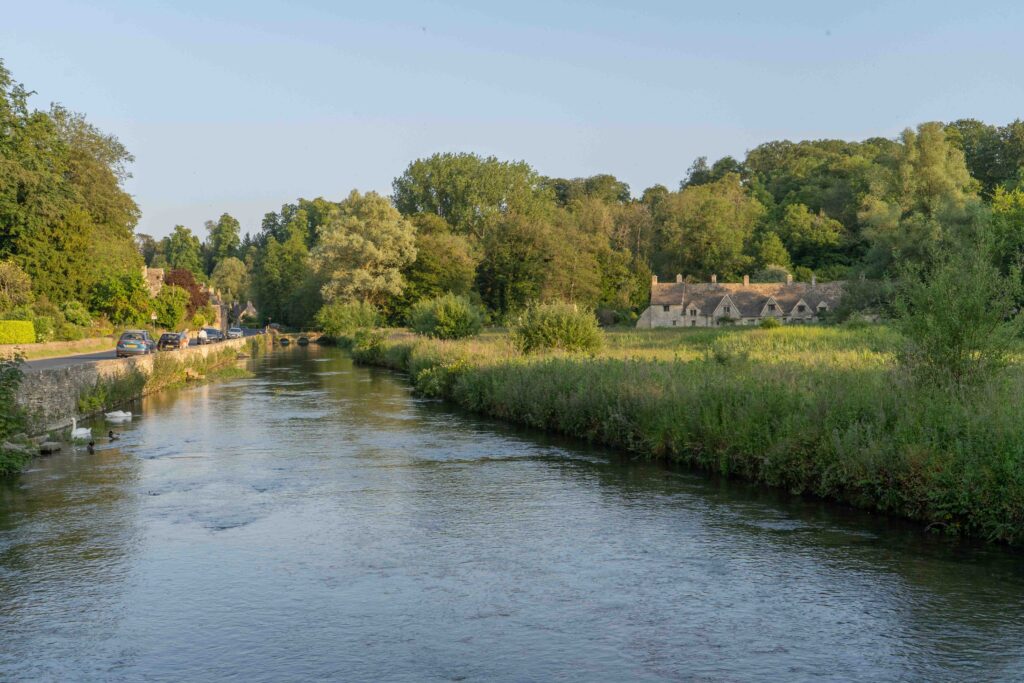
<point>556,326</point>
<point>769,322</point>
<point>76,313</point>
<point>340,319</point>
<point>17,332</point>
<point>46,329</point>
<point>170,306</point>
<point>124,299</point>
<point>445,317</point>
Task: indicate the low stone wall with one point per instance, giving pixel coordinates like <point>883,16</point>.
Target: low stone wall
<point>52,395</point>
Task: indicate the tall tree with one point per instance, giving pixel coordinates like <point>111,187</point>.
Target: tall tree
<point>363,248</point>
<point>183,250</point>
<point>469,191</point>
<point>223,240</point>
<point>702,230</point>
<point>231,278</point>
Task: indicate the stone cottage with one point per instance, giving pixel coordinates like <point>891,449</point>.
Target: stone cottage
<point>710,304</point>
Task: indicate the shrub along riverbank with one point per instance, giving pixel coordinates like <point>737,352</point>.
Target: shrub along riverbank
<point>821,411</point>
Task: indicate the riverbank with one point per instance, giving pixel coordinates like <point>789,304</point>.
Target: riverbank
<point>819,411</point>
<point>53,396</point>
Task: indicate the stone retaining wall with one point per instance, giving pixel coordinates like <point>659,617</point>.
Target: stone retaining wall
<point>51,394</point>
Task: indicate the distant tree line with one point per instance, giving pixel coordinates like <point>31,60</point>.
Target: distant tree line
<point>499,232</point>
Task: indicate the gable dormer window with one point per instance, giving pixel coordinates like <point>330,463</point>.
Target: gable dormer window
<point>801,308</point>
<point>771,307</point>
<point>693,312</point>
<point>726,309</point>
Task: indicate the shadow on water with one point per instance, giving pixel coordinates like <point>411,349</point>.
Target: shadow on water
<point>317,521</point>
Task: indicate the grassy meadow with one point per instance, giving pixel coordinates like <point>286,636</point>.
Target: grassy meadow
<point>817,410</point>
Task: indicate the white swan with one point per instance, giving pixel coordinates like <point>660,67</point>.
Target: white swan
<point>118,415</point>
<point>79,433</point>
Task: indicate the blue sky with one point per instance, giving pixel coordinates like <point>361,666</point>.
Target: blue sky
<point>242,106</point>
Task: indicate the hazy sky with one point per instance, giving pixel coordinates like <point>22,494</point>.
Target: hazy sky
<point>242,106</point>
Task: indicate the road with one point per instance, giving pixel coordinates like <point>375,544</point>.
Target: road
<point>82,358</point>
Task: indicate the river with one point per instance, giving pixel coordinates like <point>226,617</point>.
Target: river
<point>318,522</point>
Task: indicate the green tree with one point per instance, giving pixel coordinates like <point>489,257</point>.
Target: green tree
<point>364,246</point>
<point>184,251</point>
<point>231,278</point>
<point>920,195</point>
<point>170,306</point>
<point>15,287</point>
<point>958,316</point>
<point>702,230</point>
<point>809,237</point>
<point>771,252</point>
<point>123,299</point>
<point>445,262</point>
<point>223,240</point>
<point>468,190</point>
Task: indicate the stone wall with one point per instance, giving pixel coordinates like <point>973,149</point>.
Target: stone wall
<point>51,394</point>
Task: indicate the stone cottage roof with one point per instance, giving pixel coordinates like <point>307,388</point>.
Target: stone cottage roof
<point>749,298</point>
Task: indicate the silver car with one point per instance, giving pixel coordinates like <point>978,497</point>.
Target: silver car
<point>235,333</point>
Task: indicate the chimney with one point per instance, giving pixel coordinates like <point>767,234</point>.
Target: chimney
<point>746,280</point>
<point>714,278</point>
<point>654,279</point>
<point>679,278</point>
<point>814,280</point>
<point>789,279</point>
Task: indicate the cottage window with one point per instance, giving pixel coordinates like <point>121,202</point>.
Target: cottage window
<point>665,308</point>
<point>693,323</point>
<point>726,309</point>
<point>674,323</point>
<point>801,308</point>
<point>693,312</point>
<point>771,307</point>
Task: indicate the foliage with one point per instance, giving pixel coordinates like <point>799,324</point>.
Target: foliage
<point>45,328</point>
<point>15,286</point>
<point>223,241</point>
<point>812,410</point>
<point>558,326</point>
<point>231,278</point>
<point>340,319</point>
<point>198,297</point>
<point>76,313</point>
<point>448,316</point>
<point>468,191</point>
<point>769,323</point>
<point>183,251</point>
<point>959,318</point>
<point>17,332</point>
<point>702,230</point>
<point>171,307</point>
<point>123,299</point>
<point>364,245</point>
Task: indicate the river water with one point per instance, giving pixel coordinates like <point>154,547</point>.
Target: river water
<point>317,522</point>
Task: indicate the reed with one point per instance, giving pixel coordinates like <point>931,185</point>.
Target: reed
<point>822,411</point>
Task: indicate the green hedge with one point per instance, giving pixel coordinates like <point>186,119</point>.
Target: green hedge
<point>17,332</point>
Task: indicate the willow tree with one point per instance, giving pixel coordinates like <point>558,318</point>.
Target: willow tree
<point>364,246</point>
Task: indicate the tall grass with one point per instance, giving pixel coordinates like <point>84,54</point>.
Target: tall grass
<point>816,410</point>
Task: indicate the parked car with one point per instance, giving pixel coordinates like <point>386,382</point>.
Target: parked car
<point>168,342</point>
<point>235,333</point>
<point>135,343</point>
<point>172,340</point>
<point>210,335</point>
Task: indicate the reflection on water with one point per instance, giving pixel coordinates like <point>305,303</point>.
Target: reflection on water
<point>317,522</point>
